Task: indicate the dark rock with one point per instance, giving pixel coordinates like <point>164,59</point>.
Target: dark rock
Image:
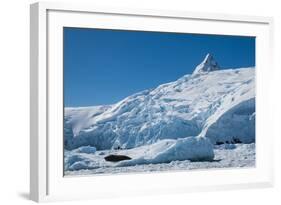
<point>219,143</point>
<point>237,141</point>
<point>116,158</point>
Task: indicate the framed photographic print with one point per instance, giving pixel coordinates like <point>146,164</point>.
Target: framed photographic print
<point>127,102</point>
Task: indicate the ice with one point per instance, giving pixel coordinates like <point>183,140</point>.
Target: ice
<point>79,165</point>
<point>163,151</point>
<point>226,156</point>
<point>217,104</point>
<point>87,149</point>
<point>190,148</point>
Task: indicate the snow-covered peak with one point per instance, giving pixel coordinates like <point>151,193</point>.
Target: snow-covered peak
<point>207,65</point>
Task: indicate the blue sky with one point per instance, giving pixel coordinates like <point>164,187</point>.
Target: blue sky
<point>104,66</point>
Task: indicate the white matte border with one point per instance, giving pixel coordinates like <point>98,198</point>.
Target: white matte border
<point>59,187</point>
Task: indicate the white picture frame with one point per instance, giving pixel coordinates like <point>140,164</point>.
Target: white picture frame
<point>47,182</point>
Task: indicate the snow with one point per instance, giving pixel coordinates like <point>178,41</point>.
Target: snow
<point>218,104</point>
<point>188,123</point>
<point>207,65</point>
<point>190,148</point>
<point>239,156</point>
<point>163,151</point>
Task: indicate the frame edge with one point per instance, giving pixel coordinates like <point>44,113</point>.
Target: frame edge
<point>38,69</point>
<point>38,103</point>
<point>34,175</point>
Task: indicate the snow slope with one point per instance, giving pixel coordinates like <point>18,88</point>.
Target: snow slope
<point>210,103</point>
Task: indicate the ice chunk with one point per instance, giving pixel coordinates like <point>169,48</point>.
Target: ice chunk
<point>78,165</point>
<point>190,148</point>
<point>87,149</point>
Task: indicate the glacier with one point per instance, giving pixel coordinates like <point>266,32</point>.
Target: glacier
<point>211,106</point>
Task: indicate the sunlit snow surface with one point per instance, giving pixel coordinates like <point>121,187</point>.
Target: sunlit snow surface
<point>226,156</point>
